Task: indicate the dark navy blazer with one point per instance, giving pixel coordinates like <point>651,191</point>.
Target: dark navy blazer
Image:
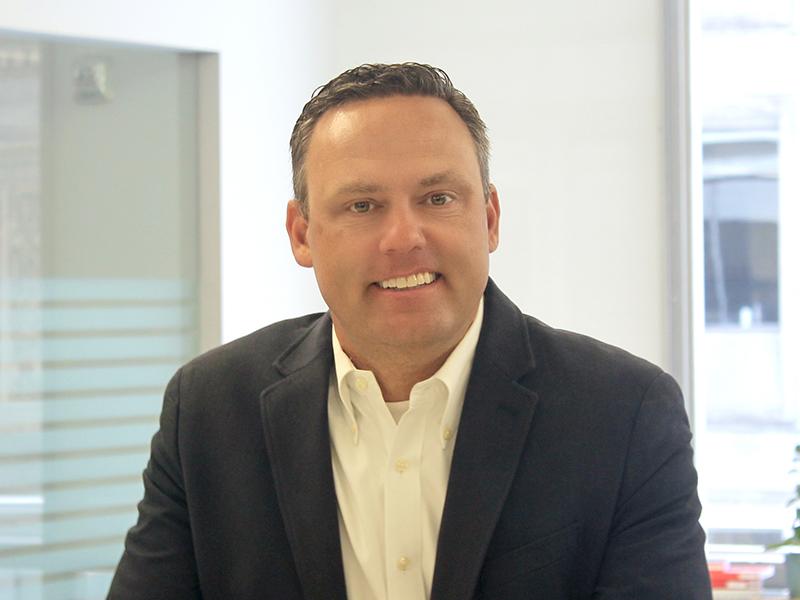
<point>572,475</point>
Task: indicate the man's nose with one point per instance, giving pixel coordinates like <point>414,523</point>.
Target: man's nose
<point>402,231</point>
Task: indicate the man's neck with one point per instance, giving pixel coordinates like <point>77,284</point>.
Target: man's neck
<point>398,370</point>
<point>398,367</point>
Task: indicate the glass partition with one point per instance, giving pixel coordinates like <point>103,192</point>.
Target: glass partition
<point>98,296</point>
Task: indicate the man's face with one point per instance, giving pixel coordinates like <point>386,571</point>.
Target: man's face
<point>398,231</point>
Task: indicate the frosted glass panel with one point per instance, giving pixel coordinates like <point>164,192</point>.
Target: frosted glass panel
<point>98,297</point>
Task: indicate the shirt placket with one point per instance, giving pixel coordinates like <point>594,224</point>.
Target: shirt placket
<point>403,508</point>
<point>375,436</point>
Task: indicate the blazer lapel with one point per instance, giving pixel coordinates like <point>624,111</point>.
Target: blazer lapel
<point>494,425</point>
<point>295,420</point>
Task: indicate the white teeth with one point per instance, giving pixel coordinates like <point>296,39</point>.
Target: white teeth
<point>411,281</point>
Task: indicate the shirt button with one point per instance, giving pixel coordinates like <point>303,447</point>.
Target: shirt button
<point>361,384</point>
<point>403,562</point>
<point>400,465</point>
<point>447,433</point>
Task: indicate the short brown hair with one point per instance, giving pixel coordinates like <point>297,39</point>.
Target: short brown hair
<point>380,81</point>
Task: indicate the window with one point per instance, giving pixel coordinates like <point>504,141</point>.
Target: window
<point>746,99</point>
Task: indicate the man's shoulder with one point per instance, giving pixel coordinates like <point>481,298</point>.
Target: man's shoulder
<point>574,357</point>
<point>570,346</point>
<point>256,351</point>
<point>576,375</point>
<point>563,355</point>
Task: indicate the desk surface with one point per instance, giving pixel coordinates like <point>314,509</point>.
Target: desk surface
<point>750,595</point>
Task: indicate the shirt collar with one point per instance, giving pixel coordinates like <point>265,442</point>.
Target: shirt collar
<point>344,366</point>
<point>454,374</point>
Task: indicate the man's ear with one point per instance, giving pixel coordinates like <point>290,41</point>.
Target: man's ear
<point>493,217</point>
<point>297,228</point>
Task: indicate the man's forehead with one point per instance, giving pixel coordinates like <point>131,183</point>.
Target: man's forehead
<point>410,141</point>
<point>382,123</point>
<point>363,112</point>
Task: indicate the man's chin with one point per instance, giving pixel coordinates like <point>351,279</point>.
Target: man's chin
<point>424,335</point>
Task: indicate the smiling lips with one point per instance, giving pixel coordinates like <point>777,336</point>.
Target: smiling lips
<point>411,281</point>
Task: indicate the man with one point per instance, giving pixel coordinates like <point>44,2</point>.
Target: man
<point>422,439</point>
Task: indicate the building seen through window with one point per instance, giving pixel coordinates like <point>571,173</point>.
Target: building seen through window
<point>747,346</point>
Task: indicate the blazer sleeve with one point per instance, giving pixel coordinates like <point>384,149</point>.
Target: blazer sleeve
<point>158,561</point>
<point>656,544</point>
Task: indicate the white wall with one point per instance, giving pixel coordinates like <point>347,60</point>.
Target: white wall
<point>572,94</point>
<point>571,91</point>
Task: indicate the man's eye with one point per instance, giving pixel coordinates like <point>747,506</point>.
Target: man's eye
<point>440,199</point>
<point>361,206</point>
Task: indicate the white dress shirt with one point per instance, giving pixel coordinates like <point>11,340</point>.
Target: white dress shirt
<point>390,470</point>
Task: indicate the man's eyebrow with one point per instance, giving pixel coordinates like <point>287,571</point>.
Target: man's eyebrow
<point>439,178</point>
<point>358,188</point>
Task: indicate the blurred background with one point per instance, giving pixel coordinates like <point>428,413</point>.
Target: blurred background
<point>647,156</point>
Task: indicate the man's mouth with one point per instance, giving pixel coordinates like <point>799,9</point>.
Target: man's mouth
<point>410,281</point>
